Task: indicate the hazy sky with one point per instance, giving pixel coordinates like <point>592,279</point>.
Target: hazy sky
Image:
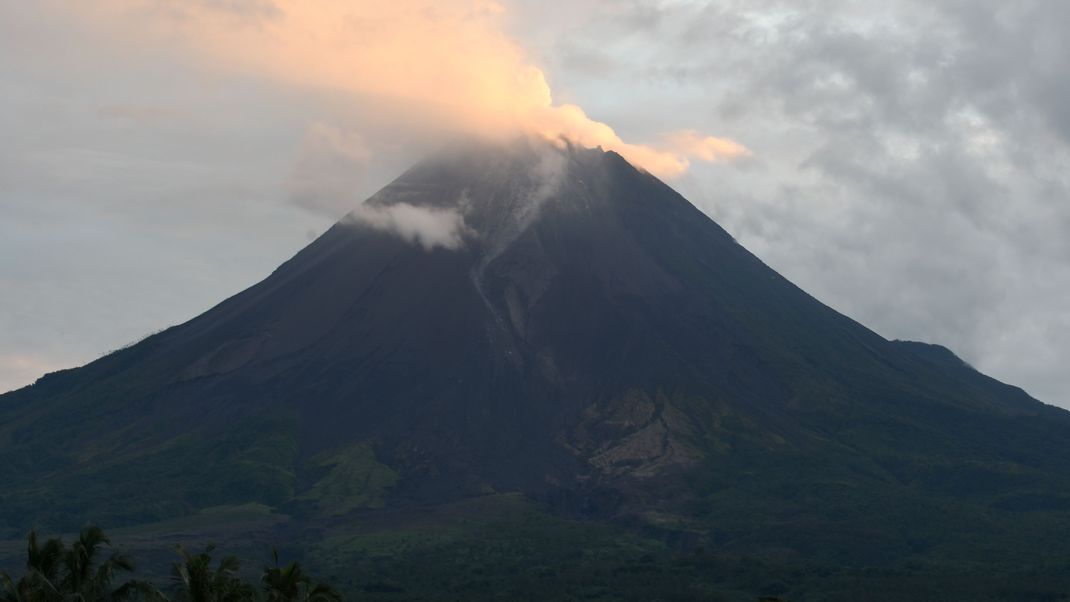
<point>907,161</point>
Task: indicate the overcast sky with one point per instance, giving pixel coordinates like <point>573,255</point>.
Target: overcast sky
<point>908,162</point>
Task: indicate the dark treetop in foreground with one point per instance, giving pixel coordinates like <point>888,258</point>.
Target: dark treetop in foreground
<point>55,572</point>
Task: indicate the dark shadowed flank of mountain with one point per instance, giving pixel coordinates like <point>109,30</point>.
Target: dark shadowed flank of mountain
<point>523,367</point>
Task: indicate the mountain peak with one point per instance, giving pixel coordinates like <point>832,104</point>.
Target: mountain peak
<point>477,175</point>
<point>484,195</point>
<point>534,318</point>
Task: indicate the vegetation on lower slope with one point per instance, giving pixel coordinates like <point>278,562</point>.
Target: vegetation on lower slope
<point>145,482</point>
<point>505,547</point>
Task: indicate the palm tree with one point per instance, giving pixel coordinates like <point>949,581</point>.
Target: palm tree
<point>199,582</point>
<point>57,574</point>
<point>80,573</point>
<point>290,584</point>
<point>40,583</point>
<point>88,580</point>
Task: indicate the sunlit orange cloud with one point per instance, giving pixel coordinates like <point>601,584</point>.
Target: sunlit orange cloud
<point>448,57</point>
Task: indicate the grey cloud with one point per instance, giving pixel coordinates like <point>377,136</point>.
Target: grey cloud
<point>910,157</point>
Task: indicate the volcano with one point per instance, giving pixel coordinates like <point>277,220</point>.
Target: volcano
<point>549,323</point>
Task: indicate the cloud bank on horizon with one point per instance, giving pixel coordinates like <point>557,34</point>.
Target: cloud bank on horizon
<point>435,64</point>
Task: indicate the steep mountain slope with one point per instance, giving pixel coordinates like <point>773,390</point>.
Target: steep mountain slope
<point>593,341</point>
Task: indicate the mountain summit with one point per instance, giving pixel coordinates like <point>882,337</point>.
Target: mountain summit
<point>554,322</point>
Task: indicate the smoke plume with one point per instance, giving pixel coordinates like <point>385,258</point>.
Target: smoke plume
<point>442,64</point>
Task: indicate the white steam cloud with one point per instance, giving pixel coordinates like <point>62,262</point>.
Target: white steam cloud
<point>428,227</point>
